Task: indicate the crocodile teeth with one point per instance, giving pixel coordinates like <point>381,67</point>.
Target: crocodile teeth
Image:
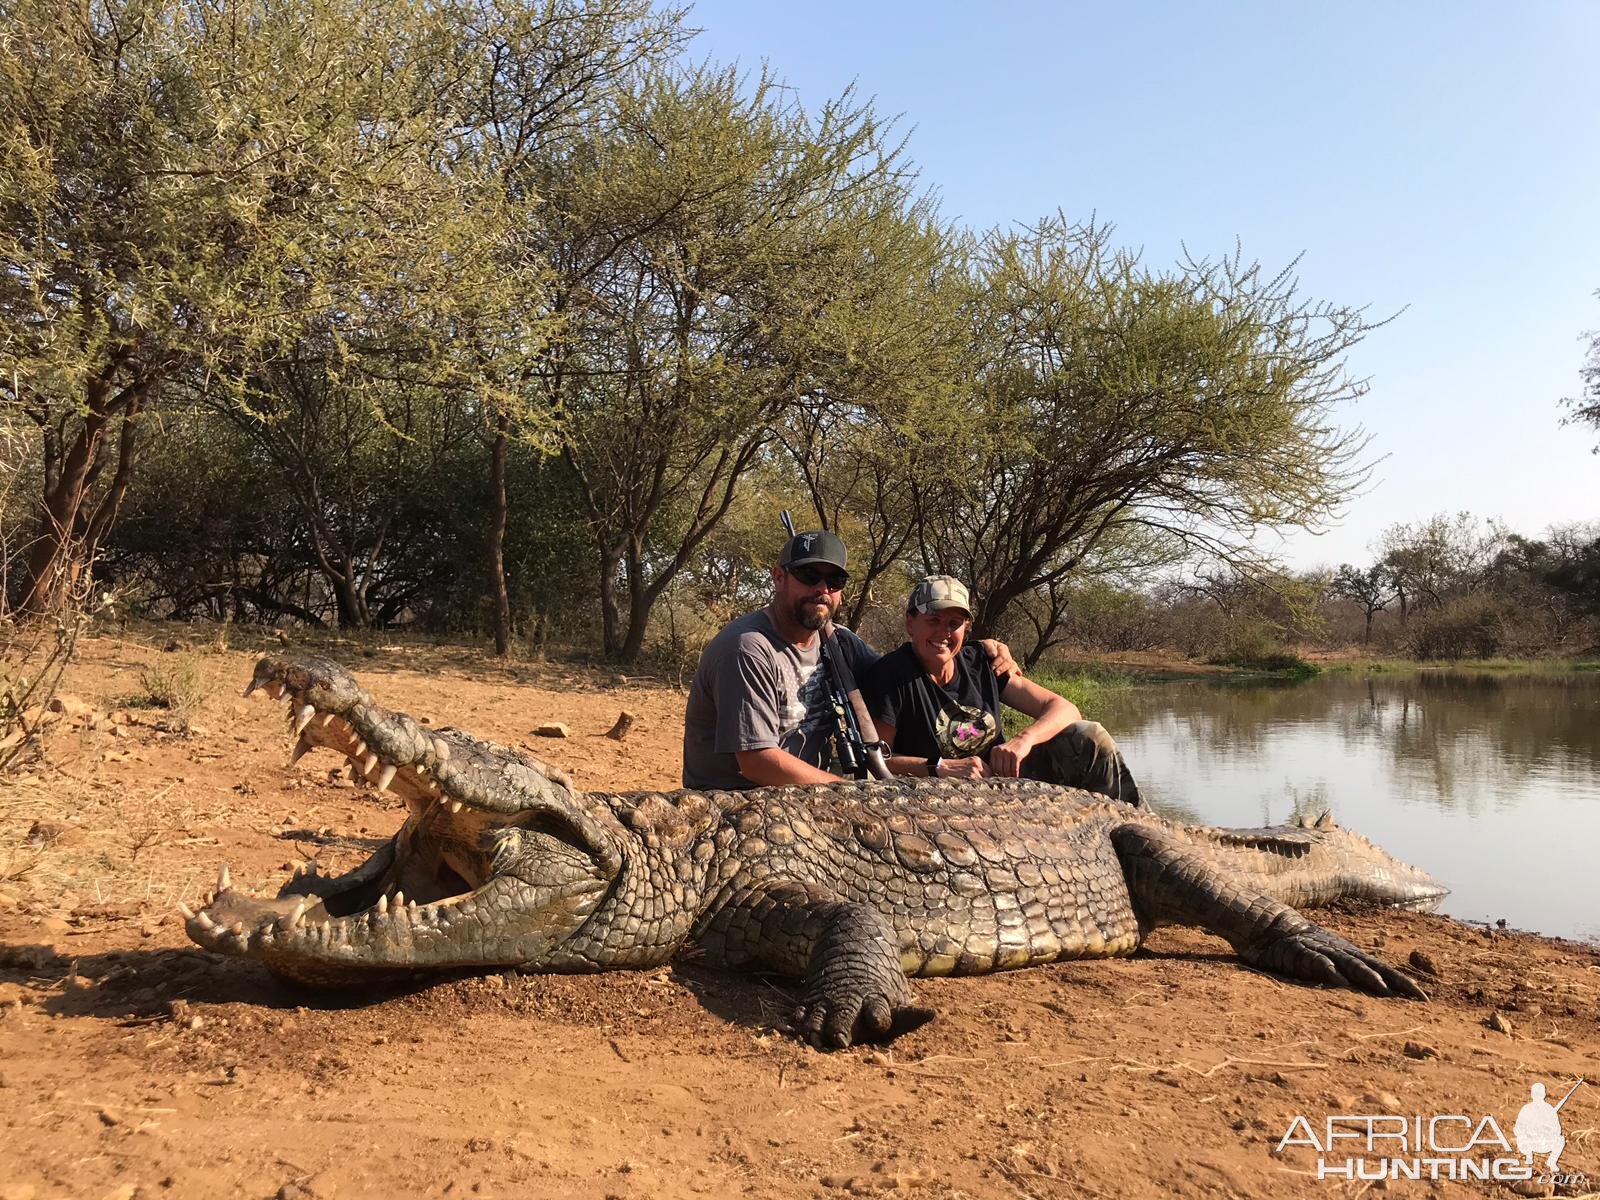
<point>301,749</point>
<point>184,909</point>
<point>399,898</point>
<point>237,929</point>
<point>293,920</point>
<point>302,717</point>
<point>369,764</point>
<point>274,689</point>
<point>224,881</point>
<point>361,749</point>
<point>386,777</point>
<point>205,920</point>
<point>383,905</point>
<point>455,806</point>
<point>441,749</point>
<point>327,719</point>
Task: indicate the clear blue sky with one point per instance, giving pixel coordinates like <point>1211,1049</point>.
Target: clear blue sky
<point>1443,158</point>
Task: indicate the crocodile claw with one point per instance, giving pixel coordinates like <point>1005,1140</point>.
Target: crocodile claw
<point>1317,956</point>
<point>834,1022</point>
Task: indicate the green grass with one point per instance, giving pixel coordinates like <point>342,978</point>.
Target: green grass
<point>1270,662</point>
<point>1092,690</point>
<point>1500,666</point>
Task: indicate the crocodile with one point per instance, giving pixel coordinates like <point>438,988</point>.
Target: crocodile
<point>850,887</point>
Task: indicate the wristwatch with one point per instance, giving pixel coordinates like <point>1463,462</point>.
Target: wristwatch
<point>933,766</point>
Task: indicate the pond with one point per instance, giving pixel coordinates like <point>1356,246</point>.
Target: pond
<point>1489,782</point>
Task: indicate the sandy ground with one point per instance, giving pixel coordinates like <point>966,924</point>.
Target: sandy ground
<point>133,1064</point>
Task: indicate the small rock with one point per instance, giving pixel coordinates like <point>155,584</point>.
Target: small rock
<point>1498,1022</point>
<point>17,1191</point>
<point>1277,1077</point>
<point>1387,1101</point>
<point>1423,962</point>
<point>551,729</point>
<point>44,833</point>
<point>1419,1050</point>
<point>126,1192</point>
<point>71,707</point>
<point>107,1117</point>
<point>1534,1187</point>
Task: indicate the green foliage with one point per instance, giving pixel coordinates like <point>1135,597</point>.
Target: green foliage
<point>1094,691</point>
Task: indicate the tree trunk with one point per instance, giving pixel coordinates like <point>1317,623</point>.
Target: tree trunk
<point>497,538</point>
<point>610,617</point>
<point>56,560</point>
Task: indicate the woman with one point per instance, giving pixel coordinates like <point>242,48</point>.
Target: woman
<point>936,702</point>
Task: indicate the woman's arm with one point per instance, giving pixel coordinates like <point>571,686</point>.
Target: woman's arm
<point>1051,714</point>
<point>910,764</point>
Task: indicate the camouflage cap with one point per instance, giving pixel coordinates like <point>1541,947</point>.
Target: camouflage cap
<point>937,592</point>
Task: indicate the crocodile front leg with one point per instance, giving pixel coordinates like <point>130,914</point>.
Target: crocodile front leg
<point>853,988</point>
<point>1171,884</point>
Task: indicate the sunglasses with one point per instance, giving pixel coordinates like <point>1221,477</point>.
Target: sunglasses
<point>834,581</point>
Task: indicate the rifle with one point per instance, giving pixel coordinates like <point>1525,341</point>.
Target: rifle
<point>861,752</point>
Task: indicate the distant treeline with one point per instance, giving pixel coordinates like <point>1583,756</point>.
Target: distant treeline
<point>517,320</point>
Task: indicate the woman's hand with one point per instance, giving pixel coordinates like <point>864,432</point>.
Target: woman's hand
<point>963,768</point>
<point>1005,760</point>
<point>1000,658</point>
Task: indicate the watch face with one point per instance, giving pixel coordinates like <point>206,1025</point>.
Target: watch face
<point>962,731</point>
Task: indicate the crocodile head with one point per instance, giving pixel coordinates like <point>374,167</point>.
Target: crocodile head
<point>498,861</point>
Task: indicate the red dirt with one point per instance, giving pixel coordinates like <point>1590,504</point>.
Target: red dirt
<point>133,1064</point>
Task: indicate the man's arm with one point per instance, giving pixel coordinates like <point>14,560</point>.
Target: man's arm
<point>772,766</point>
<point>1000,658</point>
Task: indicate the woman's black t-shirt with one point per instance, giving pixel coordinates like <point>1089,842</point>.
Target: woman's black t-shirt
<point>954,720</point>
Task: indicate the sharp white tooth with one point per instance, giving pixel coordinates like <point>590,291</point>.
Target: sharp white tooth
<point>294,918</point>
<point>386,777</point>
<point>301,749</point>
<point>184,909</point>
<point>205,921</point>
<point>274,689</point>
<point>399,898</point>
<point>327,719</point>
<point>369,764</point>
<point>420,768</point>
<point>455,806</point>
<point>361,749</point>
<point>224,881</point>
<point>302,717</point>
<point>237,929</point>
<point>383,905</point>
<point>441,749</point>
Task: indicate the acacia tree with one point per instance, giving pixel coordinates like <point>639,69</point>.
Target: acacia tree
<point>1371,589</point>
<point>1175,412</point>
<point>184,184</point>
<point>722,235</point>
<point>1586,408</point>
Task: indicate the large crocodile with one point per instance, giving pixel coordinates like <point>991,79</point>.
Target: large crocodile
<point>851,887</point>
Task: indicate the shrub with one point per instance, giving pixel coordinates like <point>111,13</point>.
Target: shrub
<point>1467,628</point>
<point>171,683</point>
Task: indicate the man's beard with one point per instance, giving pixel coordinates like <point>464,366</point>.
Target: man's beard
<point>807,617</point>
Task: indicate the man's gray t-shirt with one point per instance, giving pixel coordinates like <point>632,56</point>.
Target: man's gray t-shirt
<point>752,691</point>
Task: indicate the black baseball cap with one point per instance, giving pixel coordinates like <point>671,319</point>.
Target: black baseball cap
<point>818,546</point>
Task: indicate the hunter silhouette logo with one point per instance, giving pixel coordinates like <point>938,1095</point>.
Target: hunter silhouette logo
<point>1538,1127</point>
<point>1456,1146</point>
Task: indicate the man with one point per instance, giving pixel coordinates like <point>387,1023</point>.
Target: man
<point>758,711</point>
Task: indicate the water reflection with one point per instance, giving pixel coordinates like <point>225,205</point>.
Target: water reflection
<point>1490,782</point>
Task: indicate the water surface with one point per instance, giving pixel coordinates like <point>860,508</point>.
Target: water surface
<point>1489,782</point>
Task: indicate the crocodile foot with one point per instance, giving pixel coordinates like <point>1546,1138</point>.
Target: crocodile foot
<point>1318,956</point>
<point>832,1018</point>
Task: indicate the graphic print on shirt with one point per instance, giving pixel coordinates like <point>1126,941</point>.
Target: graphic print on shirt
<point>809,712</point>
<point>963,731</point>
